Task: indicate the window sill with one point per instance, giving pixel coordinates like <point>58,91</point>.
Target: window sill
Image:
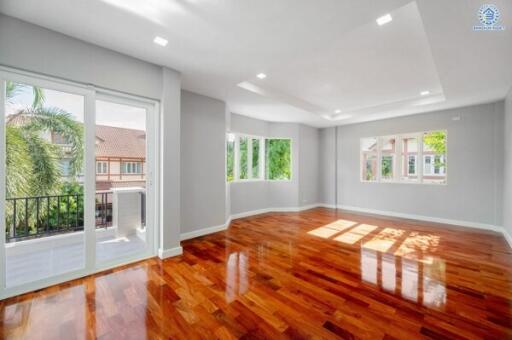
<point>404,182</point>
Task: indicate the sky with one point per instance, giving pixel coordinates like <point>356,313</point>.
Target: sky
<point>107,113</point>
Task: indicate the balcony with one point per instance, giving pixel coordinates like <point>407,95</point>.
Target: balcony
<point>45,234</point>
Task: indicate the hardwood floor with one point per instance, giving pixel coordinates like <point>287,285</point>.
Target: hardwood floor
<point>313,274</point>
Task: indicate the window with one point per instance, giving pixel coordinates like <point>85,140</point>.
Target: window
<point>131,167</point>
<point>416,157</point>
<point>257,158</point>
<point>369,159</point>
<point>230,157</point>
<point>65,167</point>
<point>101,167</point>
<point>244,153</point>
<point>278,158</point>
<point>434,156</point>
<point>388,158</point>
<point>409,158</point>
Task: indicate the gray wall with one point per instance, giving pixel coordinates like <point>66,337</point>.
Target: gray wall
<point>507,192</point>
<point>203,186</point>
<point>309,143</point>
<point>34,48</point>
<point>327,167</point>
<point>475,145</point>
<point>301,190</point>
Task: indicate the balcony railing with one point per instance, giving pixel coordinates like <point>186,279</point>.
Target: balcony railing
<point>40,216</point>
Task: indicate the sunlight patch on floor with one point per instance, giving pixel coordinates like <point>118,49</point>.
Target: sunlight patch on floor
<point>356,234</point>
<point>332,229</point>
<point>385,239</point>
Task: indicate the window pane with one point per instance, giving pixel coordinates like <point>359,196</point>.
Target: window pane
<point>409,158</point>
<point>388,158</point>
<point>369,159</point>
<point>278,159</point>
<point>244,145</point>
<point>230,157</point>
<point>434,157</point>
<point>255,158</point>
<point>387,167</point>
<point>369,167</point>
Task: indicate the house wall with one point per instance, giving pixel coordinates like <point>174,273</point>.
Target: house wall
<point>33,48</point>
<point>473,193</point>
<point>202,162</point>
<point>507,187</point>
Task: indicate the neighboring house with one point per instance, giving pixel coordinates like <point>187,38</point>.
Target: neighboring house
<point>120,157</point>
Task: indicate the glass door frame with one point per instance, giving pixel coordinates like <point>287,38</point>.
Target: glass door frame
<point>152,163</point>
<point>90,93</point>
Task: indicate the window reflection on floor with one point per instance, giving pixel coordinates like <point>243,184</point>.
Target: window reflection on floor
<point>394,259</point>
<point>237,282</point>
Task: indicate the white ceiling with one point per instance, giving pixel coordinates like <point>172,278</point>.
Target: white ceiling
<point>319,55</point>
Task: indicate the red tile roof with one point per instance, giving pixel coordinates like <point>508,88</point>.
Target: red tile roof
<point>120,142</point>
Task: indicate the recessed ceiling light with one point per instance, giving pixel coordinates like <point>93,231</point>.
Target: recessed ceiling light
<point>384,19</point>
<point>337,111</point>
<point>160,41</point>
<point>424,93</point>
<point>262,76</point>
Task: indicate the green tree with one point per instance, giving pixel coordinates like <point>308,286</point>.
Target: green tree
<point>278,159</point>
<point>436,141</point>
<point>32,161</point>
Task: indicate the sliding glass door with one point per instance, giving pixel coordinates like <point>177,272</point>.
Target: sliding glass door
<point>123,163</point>
<point>76,184</point>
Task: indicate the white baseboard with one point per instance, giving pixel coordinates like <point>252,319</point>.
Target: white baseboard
<point>507,236</point>
<point>267,210</point>
<point>166,253</point>
<point>475,225</point>
<point>205,231</point>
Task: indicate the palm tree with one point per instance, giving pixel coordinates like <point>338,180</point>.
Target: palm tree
<point>32,162</point>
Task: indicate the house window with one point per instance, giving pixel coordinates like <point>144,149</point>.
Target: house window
<point>409,158</point>
<point>411,165</point>
<point>101,167</point>
<point>396,158</point>
<point>131,167</point>
<point>65,167</point>
<point>257,158</point>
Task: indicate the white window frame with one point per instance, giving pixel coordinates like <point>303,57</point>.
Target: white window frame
<point>398,160</point>
<point>262,159</point>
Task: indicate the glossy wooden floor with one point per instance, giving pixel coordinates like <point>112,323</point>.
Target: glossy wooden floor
<point>314,274</point>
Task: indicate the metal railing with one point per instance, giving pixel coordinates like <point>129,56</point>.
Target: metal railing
<point>39,216</point>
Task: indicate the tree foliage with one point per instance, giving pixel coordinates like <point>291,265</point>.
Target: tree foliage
<point>278,159</point>
<point>436,141</point>
<point>32,161</point>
